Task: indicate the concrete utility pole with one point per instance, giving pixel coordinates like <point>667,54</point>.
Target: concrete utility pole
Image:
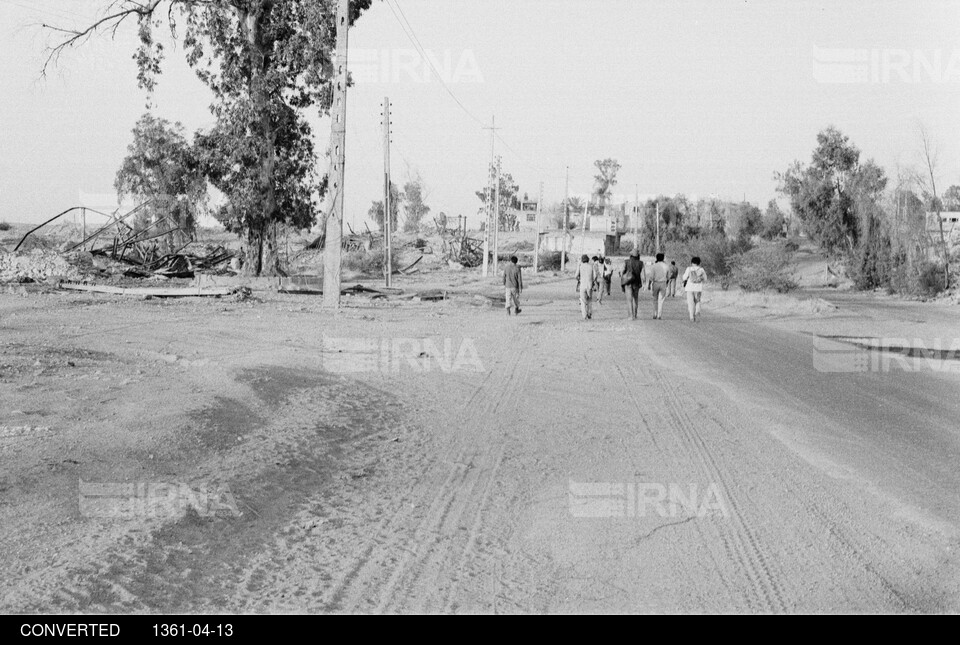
<point>487,210</point>
<point>658,226</point>
<point>387,206</point>
<point>332,256</point>
<point>583,229</point>
<point>486,229</point>
<point>536,244</point>
<point>566,223</point>
<point>496,220</point>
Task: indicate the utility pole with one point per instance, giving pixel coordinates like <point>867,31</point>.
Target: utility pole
<point>496,220</point>
<point>486,229</point>
<point>536,245</point>
<point>658,226</point>
<point>83,217</point>
<point>387,206</point>
<point>583,229</point>
<point>332,256</point>
<point>487,210</point>
<point>636,218</point>
<point>566,223</point>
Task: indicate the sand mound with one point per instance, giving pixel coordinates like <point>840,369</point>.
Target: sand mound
<point>766,304</point>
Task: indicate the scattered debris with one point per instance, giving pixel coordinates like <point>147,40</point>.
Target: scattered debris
<point>243,294</point>
<point>407,270</point>
<point>155,292</point>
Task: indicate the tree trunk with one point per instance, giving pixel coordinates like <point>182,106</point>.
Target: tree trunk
<point>254,252</point>
<point>262,254</point>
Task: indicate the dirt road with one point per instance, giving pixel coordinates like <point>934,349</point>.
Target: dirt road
<point>448,458</point>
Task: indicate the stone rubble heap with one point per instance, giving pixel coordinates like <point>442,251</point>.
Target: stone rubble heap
<point>36,266</point>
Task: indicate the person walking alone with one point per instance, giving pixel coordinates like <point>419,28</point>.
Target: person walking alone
<point>585,279</point>
<point>513,284</point>
<point>693,279</point>
<point>631,281</point>
<point>658,277</point>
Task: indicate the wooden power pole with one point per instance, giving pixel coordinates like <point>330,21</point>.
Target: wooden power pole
<point>658,226</point>
<point>332,256</point>
<point>536,244</point>
<point>487,210</point>
<point>496,220</point>
<point>490,191</point>
<point>566,223</point>
<point>387,198</point>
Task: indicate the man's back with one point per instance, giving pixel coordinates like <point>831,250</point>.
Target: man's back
<point>511,276</point>
<point>658,273</point>
<point>586,275</point>
<point>634,266</point>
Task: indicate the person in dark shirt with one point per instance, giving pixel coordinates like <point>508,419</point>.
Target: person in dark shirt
<point>672,280</point>
<point>631,281</point>
<point>513,284</point>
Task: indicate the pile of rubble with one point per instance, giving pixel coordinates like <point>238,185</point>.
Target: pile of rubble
<point>36,266</point>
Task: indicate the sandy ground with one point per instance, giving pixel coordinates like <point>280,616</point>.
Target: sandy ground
<point>444,457</point>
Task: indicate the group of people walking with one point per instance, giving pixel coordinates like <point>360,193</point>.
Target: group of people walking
<point>660,279</point>
<point>595,275</point>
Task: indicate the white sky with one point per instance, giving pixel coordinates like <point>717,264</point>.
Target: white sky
<point>695,96</point>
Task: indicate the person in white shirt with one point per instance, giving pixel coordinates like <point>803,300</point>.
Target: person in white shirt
<point>658,276</point>
<point>586,276</point>
<point>693,279</point>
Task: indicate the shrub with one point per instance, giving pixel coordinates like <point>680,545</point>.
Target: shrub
<point>368,263</point>
<point>792,245</point>
<point>4,226</point>
<point>930,280</point>
<point>717,254</point>
<point>626,246</point>
<point>765,269</point>
<point>550,260</point>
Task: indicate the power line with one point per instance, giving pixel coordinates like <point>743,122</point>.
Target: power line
<point>409,31</point>
<point>411,35</point>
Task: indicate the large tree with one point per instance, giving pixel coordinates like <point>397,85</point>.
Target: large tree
<point>508,200</point>
<point>605,179</point>
<point>819,192</point>
<point>951,198</point>
<point>162,168</point>
<point>376,209</point>
<point>414,206</point>
<point>265,62</point>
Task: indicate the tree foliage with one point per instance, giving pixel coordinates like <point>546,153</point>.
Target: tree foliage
<point>162,167</point>
<point>376,209</point>
<point>414,206</point>
<point>509,190</point>
<point>605,179</point>
<point>266,62</point>
<point>824,193</point>
<point>774,221</point>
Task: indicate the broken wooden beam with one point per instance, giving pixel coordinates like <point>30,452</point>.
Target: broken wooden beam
<point>189,292</point>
